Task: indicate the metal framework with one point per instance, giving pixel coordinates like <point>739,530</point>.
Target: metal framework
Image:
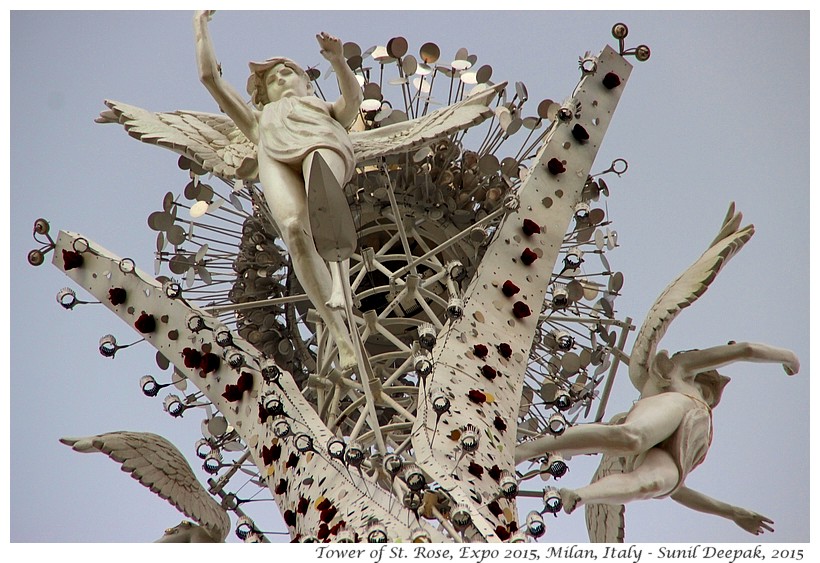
<point>483,298</point>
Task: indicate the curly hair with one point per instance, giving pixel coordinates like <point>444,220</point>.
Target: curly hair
<point>256,86</point>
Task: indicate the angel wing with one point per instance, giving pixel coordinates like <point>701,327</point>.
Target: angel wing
<point>157,464</point>
<point>412,134</point>
<point>215,143</point>
<point>212,141</point>
<point>684,291</point>
<point>605,522</point>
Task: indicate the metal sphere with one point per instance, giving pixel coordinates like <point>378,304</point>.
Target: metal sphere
<point>36,257</point>
<point>620,31</point>
<point>642,53</point>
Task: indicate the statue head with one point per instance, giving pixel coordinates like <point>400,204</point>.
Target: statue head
<point>258,82</point>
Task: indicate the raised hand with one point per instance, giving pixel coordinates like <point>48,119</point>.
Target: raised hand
<point>752,522</point>
<point>331,47</point>
<point>791,366</point>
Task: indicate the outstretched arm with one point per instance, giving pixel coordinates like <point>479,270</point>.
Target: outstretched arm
<point>346,108</point>
<point>228,99</point>
<point>752,522</point>
<point>718,356</point>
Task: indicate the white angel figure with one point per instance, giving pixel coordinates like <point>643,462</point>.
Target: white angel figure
<point>649,451</point>
<point>157,464</point>
<point>277,140</point>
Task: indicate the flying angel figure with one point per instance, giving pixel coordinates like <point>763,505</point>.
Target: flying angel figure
<point>282,139</point>
<point>650,450</point>
<point>157,464</point>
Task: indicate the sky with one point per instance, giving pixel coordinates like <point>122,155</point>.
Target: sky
<point>719,113</point>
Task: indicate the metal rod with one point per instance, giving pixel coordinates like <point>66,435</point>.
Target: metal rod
<point>610,378</point>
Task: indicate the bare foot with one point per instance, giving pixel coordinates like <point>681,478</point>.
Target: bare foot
<point>347,358</point>
<point>570,499</point>
<point>337,300</point>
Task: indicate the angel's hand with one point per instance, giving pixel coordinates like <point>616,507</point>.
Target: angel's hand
<point>791,366</point>
<point>330,47</point>
<point>203,16</point>
<point>752,522</point>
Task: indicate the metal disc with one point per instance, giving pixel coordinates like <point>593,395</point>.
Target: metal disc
<point>429,53</point>
<point>575,291</point>
<point>596,216</point>
<point>548,391</point>
<point>599,239</point>
<point>204,274</point>
<point>180,381</point>
<point>521,91</point>
<point>206,193</point>
<point>237,203</point>
<point>586,357</point>
<point>371,104</point>
<point>383,113</point>
<point>396,116</point>
<point>531,123</point>
<point>483,74</point>
<point>167,201</point>
<point>409,65</point>
<point>160,221</point>
<point>509,166</point>
<point>590,291</point>
<point>584,234</point>
<point>421,84</point>
<point>198,209</point>
<point>526,401</point>
<point>607,308</point>
<point>176,235</point>
<point>180,263</point>
<point>351,49</point>
<point>616,282</point>
<point>215,205</point>
<point>547,109</point>
<point>423,69</point>
<point>217,426</point>
<point>488,164</point>
<point>191,190</point>
<point>162,361</point>
<point>469,78</point>
<point>570,362</point>
<point>161,242</point>
<point>611,239</point>
<point>397,47</point>
<point>372,91</point>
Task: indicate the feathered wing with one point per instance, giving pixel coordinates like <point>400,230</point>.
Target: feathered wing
<point>684,291</point>
<point>215,143</point>
<point>605,522</point>
<point>409,135</point>
<point>212,141</point>
<point>157,464</point>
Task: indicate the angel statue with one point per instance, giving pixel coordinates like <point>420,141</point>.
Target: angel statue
<point>650,450</point>
<point>157,464</point>
<point>290,141</point>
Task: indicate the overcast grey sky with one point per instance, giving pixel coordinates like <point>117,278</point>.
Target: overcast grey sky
<point>719,113</point>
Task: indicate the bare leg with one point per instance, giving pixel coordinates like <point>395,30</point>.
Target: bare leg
<point>285,193</point>
<point>338,272</point>
<point>651,420</point>
<point>656,476</point>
